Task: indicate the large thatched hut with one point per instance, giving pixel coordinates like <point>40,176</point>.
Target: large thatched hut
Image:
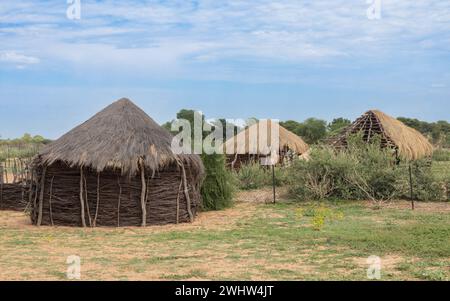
<point>406,142</point>
<point>116,169</point>
<point>244,147</point>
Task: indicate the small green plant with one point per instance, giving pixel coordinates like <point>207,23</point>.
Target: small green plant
<point>320,215</point>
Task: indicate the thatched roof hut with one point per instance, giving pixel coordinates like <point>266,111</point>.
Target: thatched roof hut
<point>408,143</point>
<point>241,149</point>
<point>116,169</point>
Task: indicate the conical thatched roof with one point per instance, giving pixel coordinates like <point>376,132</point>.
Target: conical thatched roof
<point>287,139</point>
<point>117,137</point>
<point>411,144</point>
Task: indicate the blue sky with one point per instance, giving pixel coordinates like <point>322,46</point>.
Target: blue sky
<point>287,59</point>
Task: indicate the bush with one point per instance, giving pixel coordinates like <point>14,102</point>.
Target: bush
<point>254,176</point>
<point>426,185</point>
<point>362,171</point>
<point>441,155</point>
<point>217,188</point>
<point>251,176</point>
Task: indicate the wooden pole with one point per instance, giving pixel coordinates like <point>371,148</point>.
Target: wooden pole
<point>41,196</point>
<point>411,187</point>
<point>98,200</point>
<point>86,199</point>
<point>186,190</point>
<point>178,200</point>
<point>50,201</point>
<point>143,193</point>
<point>273,185</point>
<point>118,202</point>
<point>83,219</point>
<point>1,183</point>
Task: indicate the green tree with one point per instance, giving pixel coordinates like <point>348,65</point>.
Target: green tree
<point>217,187</point>
<point>26,138</point>
<point>337,125</point>
<point>313,130</point>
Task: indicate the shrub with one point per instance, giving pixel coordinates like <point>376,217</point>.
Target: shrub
<point>251,176</point>
<point>254,176</point>
<point>362,171</point>
<point>217,188</point>
<point>441,155</point>
<point>323,176</point>
<point>426,185</point>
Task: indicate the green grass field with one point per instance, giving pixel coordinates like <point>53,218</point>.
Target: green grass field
<point>248,242</point>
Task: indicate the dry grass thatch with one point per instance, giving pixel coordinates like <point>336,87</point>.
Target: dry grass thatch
<point>411,144</point>
<point>117,168</point>
<point>117,137</point>
<point>288,140</point>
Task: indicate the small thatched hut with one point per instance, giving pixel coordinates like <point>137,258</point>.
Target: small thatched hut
<point>407,143</point>
<point>116,169</point>
<point>242,150</point>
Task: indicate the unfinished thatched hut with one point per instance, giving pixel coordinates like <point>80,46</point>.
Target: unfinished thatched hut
<point>116,169</point>
<point>406,142</point>
<point>245,146</point>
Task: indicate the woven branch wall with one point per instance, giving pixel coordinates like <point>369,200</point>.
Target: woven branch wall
<point>14,196</point>
<point>119,197</point>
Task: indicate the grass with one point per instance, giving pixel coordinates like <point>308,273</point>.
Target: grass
<point>247,242</point>
<point>441,169</point>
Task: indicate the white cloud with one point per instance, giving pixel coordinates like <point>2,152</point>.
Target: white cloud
<point>17,58</point>
<point>175,33</point>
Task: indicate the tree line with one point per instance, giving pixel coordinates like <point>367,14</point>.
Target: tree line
<point>314,130</point>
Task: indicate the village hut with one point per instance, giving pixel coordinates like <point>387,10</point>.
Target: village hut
<point>406,142</point>
<point>116,169</point>
<point>244,147</point>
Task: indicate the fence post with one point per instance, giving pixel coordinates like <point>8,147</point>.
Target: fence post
<point>273,184</point>
<point>1,182</point>
<point>411,187</point>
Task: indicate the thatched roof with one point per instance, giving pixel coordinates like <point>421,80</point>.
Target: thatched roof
<point>287,140</point>
<point>411,144</point>
<point>118,137</point>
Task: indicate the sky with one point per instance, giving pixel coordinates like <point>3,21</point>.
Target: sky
<point>286,59</point>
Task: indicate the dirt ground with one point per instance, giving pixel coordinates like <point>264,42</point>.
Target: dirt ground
<point>233,244</point>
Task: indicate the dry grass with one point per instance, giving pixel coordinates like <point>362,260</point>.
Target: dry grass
<point>412,144</point>
<point>252,241</point>
<point>118,138</point>
<point>249,140</point>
